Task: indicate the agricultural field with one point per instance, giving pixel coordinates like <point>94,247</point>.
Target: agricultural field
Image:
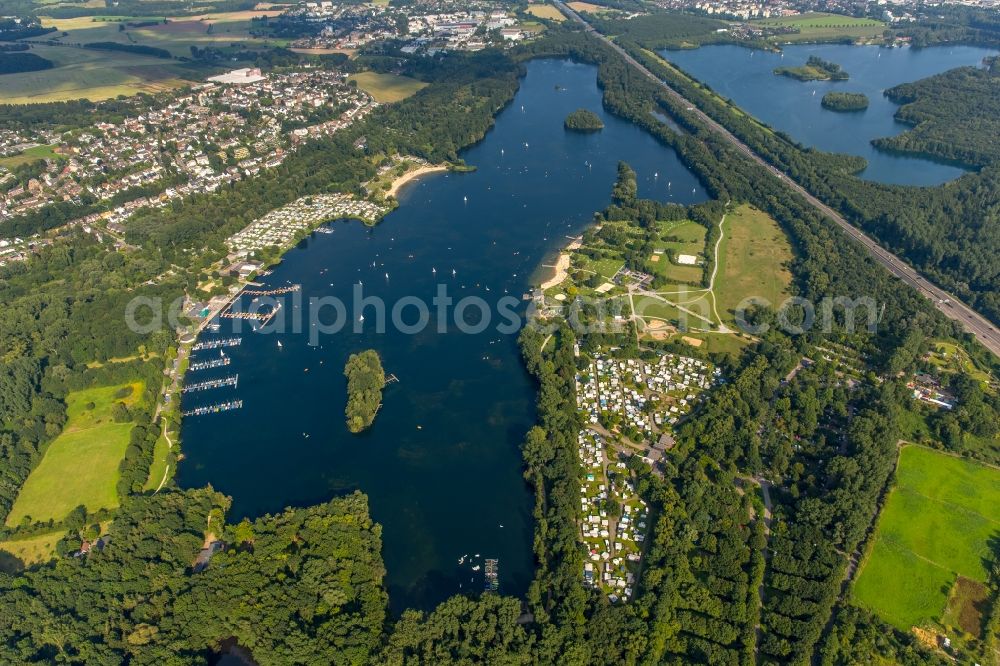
<point>95,75</point>
<point>819,26</point>
<point>753,259</point>
<point>80,466</point>
<point>927,566</point>
<point>546,12</point>
<point>587,7</point>
<point>387,88</point>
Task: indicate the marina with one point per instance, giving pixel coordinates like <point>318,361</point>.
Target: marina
<point>492,575</point>
<point>272,292</point>
<point>217,343</point>
<point>208,365</point>
<point>212,384</point>
<point>214,409</point>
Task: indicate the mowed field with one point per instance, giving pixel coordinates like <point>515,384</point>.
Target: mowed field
<point>753,259</point>
<point>819,26</point>
<point>387,88</point>
<point>80,466</point>
<point>20,553</point>
<point>939,524</point>
<point>546,12</point>
<point>94,75</point>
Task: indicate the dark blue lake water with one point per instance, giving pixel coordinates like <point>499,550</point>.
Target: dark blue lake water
<point>747,77</point>
<point>441,465</point>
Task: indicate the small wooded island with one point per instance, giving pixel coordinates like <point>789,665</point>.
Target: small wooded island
<point>583,120</point>
<point>815,69</point>
<point>365,381</point>
<point>844,101</point>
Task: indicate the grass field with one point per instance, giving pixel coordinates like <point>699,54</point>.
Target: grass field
<point>387,88</point>
<point>938,524</point>
<point>546,12</point>
<point>158,468</point>
<point>752,261</point>
<point>29,155</point>
<point>81,465</point>
<point>95,75</point>
<point>819,26</point>
<point>690,240</point>
<point>20,553</point>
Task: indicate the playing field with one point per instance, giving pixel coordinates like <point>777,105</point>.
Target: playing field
<point>819,26</point>
<point>387,88</point>
<point>937,525</point>
<point>95,75</point>
<point>753,256</point>
<point>686,237</point>
<point>81,465</point>
<point>29,155</point>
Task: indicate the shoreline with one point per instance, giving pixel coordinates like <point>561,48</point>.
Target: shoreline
<point>412,175</point>
<point>562,265</point>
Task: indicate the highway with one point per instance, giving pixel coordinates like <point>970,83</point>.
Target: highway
<point>951,307</point>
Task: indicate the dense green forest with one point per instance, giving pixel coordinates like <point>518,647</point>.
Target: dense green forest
<point>12,63</point>
<point>305,586</point>
<point>583,120</point>
<point>365,381</point>
<point>938,108</point>
<point>845,101</point>
<point>815,69</point>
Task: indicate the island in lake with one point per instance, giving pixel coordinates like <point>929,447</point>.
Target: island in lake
<point>583,120</point>
<point>815,69</point>
<point>365,381</point>
<point>844,101</point>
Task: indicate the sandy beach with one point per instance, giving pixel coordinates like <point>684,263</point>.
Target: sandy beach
<point>410,175</point>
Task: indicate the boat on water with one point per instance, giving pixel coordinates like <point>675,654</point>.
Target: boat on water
<point>492,575</point>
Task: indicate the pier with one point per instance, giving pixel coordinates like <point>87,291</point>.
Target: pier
<point>273,292</point>
<point>212,384</point>
<point>262,317</point>
<point>213,363</point>
<point>217,344</point>
<point>492,575</point>
<point>214,409</point>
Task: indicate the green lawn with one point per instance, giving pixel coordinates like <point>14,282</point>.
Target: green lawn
<point>387,88</point>
<point>937,525</point>
<point>819,26</point>
<point>81,465</point>
<point>159,466</point>
<point>752,261</point>
<point>19,553</point>
<point>29,155</point>
<point>690,239</point>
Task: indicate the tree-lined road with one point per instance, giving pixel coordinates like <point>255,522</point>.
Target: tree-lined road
<point>951,307</point>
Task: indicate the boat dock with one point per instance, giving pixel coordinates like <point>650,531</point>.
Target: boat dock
<point>273,292</point>
<point>214,409</point>
<point>212,384</point>
<point>492,575</point>
<point>217,344</point>
<point>207,365</point>
<point>262,317</point>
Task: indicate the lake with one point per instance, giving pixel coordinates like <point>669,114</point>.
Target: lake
<point>441,465</point>
<point>747,77</point>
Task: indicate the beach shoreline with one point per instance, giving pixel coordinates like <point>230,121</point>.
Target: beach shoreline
<point>398,183</point>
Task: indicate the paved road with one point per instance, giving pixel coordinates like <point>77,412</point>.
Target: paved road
<point>952,308</point>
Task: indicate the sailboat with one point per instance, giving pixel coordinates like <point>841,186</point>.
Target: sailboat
<point>453,272</point>
<point>361,318</point>
<point>434,271</point>
<point>279,344</point>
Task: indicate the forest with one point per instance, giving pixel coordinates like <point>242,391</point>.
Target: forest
<point>583,120</point>
<point>365,381</point>
<point>12,63</point>
<point>305,586</point>
<point>845,101</point>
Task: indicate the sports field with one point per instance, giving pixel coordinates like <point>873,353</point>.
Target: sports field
<point>686,237</point>
<point>80,466</point>
<point>752,261</point>
<point>29,155</point>
<point>938,524</point>
<point>387,88</point>
<point>820,26</point>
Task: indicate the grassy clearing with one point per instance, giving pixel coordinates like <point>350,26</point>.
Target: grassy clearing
<point>29,155</point>
<point>820,26</point>
<point>20,553</point>
<point>94,75</point>
<point>690,239</point>
<point>546,12</point>
<point>81,465</point>
<point>158,469</point>
<point>936,526</point>
<point>752,261</point>
<point>387,88</point>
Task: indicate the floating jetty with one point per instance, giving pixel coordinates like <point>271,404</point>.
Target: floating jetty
<point>212,384</point>
<point>262,317</point>
<point>273,292</point>
<point>213,363</point>
<point>214,409</point>
<point>217,343</point>
<point>492,575</point>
